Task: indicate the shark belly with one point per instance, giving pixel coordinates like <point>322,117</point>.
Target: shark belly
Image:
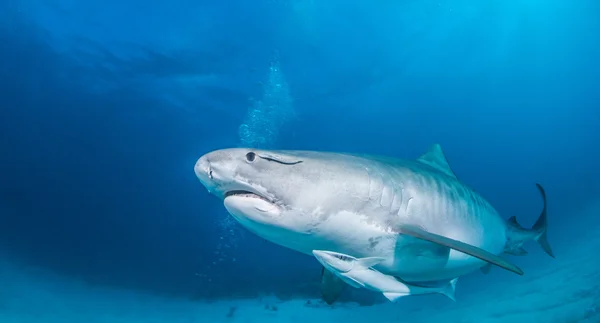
<point>405,257</point>
<point>436,204</point>
<point>376,281</point>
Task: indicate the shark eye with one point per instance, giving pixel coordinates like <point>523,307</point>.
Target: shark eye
<point>250,157</point>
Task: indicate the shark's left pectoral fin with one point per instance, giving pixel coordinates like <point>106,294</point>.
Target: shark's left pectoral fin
<point>331,286</point>
<point>417,232</point>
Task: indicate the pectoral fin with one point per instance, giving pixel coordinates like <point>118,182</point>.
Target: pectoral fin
<point>331,286</point>
<point>419,233</point>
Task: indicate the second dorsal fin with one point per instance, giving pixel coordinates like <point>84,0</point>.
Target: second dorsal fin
<point>513,222</point>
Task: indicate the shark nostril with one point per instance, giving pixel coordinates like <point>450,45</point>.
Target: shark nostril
<point>210,173</point>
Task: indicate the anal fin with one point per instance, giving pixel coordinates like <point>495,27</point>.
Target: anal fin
<point>468,249</point>
<point>450,290</point>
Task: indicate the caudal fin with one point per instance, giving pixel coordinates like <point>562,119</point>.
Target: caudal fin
<point>541,225</point>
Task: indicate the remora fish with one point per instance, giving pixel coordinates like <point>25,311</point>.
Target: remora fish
<point>358,273</point>
<point>415,214</point>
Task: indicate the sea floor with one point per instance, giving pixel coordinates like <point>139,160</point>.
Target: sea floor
<point>561,290</point>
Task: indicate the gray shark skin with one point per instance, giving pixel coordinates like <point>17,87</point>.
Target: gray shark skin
<point>415,214</point>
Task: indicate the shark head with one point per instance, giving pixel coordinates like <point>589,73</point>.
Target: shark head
<point>282,196</point>
<point>334,261</point>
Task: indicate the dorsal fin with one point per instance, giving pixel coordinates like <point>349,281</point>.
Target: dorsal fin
<point>435,158</point>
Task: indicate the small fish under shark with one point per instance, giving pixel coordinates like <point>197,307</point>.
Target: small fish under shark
<point>358,273</point>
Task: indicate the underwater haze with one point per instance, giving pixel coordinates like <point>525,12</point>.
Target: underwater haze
<point>105,107</point>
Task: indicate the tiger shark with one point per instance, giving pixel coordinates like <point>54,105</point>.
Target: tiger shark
<point>425,224</point>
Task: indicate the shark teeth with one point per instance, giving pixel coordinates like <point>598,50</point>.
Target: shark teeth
<point>246,194</point>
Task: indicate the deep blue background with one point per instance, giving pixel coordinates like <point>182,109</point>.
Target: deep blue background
<point>106,105</point>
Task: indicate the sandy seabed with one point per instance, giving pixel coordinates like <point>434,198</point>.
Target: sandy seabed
<point>561,290</point>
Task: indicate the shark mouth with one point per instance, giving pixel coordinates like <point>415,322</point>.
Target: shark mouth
<point>249,194</point>
<point>342,257</point>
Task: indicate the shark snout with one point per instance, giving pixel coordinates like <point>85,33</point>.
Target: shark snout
<point>317,254</point>
<point>334,261</point>
<point>206,173</point>
<point>322,257</point>
<point>326,258</point>
<point>216,171</point>
<point>202,169</point>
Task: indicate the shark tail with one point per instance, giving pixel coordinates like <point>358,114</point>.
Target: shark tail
<point>538,232</point>
<point>541,226</point>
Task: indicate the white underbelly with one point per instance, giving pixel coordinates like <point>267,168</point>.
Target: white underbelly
<point>406,257</point>
<point>423,261</point>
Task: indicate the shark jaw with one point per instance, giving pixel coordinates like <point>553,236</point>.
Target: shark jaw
<point>245,202</point>
<point>246,206</point>
<point>249,194</point>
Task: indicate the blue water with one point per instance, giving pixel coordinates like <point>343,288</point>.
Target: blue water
<point>105,106</point>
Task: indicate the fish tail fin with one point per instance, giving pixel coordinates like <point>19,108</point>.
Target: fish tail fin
<point>541,226</point>
<point>517,235</point>
<point>450,289</point>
